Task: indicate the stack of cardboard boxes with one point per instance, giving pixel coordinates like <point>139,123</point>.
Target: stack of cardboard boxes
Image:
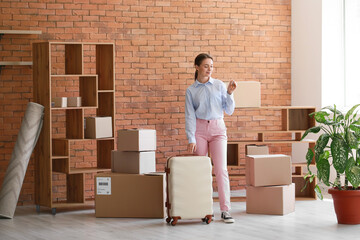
<point>133,188</point>
<point>269,184</point>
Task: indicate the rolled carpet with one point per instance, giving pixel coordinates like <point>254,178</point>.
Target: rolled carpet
<point>24,146</point>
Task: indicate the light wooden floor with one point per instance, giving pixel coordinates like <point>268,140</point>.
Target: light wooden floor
<point>311,220</point>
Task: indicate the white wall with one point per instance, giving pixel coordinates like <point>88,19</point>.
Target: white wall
<point>332,87</point>
<point>306,60</point>
<point>317,72</point>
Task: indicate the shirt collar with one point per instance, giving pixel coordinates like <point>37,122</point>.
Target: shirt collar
<point>197,83</point>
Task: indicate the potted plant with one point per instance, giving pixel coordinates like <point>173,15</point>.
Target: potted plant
<point>338,141</point>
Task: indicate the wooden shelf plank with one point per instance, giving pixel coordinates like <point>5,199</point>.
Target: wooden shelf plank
<point>65,108</point>
<point>20,32</point>
<point>59,157</point>
<point>305,198</point>
<point>276,107</point>
<point>72,205</point>
<point>286,141</point>
<point>73,75</point>
<point>80,43</point>
<point>106,91</point>
<point>269,141</point>
<point>239,176</point>
<point>85,139</point>
<point>15,63</point>
<point>265,131</point>
<point>88,170</point>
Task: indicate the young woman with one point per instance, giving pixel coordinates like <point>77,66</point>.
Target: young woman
<point>206,100</point>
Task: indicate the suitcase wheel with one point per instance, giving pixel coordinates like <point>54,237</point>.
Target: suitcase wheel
<point>174,221</point>
<point>207,219</point>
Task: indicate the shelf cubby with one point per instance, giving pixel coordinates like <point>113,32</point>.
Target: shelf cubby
<point>299,119</point>
<point>105,66</point>
<point>232,154</point>
<point>309,192</point>
<point>88,91</point>
<point>75,123</point>
<point>73,59</point>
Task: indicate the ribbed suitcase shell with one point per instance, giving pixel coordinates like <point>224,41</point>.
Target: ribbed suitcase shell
<point>189,188</point>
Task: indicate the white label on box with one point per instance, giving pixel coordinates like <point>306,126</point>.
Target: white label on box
<point>103,186</point>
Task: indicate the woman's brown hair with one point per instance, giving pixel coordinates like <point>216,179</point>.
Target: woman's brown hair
<point>198,60</point>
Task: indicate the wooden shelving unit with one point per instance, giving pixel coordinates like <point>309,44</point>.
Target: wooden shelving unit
<point>295,121</point>
<point>52,154</point>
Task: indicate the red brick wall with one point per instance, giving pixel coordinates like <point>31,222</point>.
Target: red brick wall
<point>156,42</point>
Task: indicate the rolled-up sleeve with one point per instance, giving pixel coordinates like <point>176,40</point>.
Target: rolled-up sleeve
<point>190,118</point>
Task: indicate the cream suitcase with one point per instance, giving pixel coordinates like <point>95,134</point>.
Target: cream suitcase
<point>189,188</point>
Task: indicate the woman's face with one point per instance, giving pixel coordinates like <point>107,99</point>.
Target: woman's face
<point>205,69</point>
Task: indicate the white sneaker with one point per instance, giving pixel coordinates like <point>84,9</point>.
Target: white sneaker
<point>227,217</point>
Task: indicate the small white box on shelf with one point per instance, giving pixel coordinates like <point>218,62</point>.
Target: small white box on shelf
<point>74,102</point>
<point>59,102</point>
<point>98,127</point>
<point>136,140</point>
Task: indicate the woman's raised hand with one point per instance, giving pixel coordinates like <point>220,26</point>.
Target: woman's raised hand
<point>232,86</point>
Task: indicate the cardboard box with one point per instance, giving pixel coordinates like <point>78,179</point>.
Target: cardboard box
<point>130,195</point>
<point>247,94</point>
<point>136,140</point>
<point>74,101</point>
<point>98,127</point>
<point>277,200</point>
<point>59,102</point>
<point>267,170</point>
<point>133,162</point>
<point>257,150</point>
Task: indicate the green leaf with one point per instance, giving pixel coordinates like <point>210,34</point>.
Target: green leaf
<point>318,192</point>
<point>320,116</point>
<point>311,179</point>
<point>357,122</point>
<point>353,172</point>
<point>339,152</point>
<point>332,123</point>
<point>358,156</point>
<point>323,167</point>
<point>311,130</point>
<point>337,182</point>
<point>305,186</point>
<point>321,143</point>
<point>339,118</point>
<point>351,139</point>
<point>350,112</point>
<point>312,114</point>
<point>354,115</point>
<point>309,156</point>
<point>333,110</point>
<point>355,127</point>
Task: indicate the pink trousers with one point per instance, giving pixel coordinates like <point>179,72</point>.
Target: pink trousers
<point>211,134</point>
